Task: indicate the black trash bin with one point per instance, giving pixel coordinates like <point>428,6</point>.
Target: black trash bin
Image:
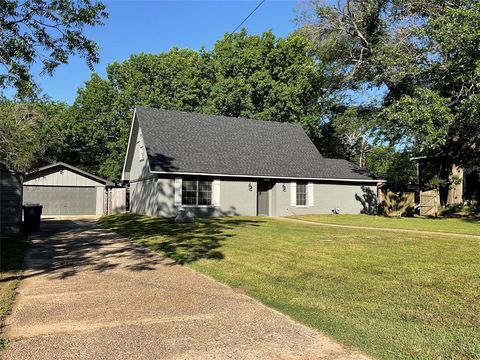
<point>31,217</point>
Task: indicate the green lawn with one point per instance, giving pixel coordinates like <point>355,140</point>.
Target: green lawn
<point>455,225</point>
<point>392,295</point>
<point>12,249</point>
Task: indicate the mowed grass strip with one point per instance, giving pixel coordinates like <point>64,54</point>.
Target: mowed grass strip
<point>392,295</point>
<point>12,249</point>
<point>453,225</point>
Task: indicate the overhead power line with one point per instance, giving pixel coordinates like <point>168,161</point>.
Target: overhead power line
<point>256,8</point>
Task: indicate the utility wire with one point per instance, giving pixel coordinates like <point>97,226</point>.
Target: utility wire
<point>256,8</point>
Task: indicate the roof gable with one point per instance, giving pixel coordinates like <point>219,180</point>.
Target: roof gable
<point>181,142</point>
<point>61,165</point>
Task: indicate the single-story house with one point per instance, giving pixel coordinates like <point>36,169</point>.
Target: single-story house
<point>217,165</point>
<point>63,189</point>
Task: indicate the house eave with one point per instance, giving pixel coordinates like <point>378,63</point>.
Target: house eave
<point>128,146</point>
<point>268,177</point>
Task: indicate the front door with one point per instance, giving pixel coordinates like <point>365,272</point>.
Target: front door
<point>263,192</point>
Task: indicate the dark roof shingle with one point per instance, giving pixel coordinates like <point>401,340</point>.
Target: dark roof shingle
<point>178,141</point>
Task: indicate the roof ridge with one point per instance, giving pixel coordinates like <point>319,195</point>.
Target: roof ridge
<point>181,142</point>
<point>226,117</point>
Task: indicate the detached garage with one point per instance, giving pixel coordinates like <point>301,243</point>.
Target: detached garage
<point>63,189</point>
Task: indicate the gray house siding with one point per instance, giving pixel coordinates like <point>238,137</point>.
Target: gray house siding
<point>139,169</point>
<point>10,202</point>
<point>156,197</point>
<point>349,198</point>
<point>181,145</point>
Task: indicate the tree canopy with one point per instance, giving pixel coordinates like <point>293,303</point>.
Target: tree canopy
<point>260,77</point>
<point>30,134</point>
<point>422,54</point>
<point>47,32</point>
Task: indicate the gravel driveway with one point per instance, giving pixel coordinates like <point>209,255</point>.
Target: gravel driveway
<point>90,294</point>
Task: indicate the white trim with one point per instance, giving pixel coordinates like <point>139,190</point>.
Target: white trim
<point>293,193</point>
<point>197,206</point>
<point>178,191</point>
<point>310,194</point>
<point>265,177</point>
<point>128,146</point>
<point>216,192</point>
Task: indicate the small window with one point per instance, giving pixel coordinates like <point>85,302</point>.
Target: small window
<point>196,192</point>
<point>140,153</point>
<point>301,194</point>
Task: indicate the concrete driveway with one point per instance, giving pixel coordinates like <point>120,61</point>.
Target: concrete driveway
<point>90,294</point>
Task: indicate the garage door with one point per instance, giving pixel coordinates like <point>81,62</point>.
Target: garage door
<point>62,200</point>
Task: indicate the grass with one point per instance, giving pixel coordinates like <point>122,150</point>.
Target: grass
<point>392,295</point>
<point>453,225</point>
<point>12,250</point>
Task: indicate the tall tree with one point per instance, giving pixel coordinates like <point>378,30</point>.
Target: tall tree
<point>423,54</point>
<point>30,134</point>
<point>356,129</point>
<point>260,77</point>
<point>48,32</point>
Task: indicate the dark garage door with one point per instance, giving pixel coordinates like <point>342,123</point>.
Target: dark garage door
<point>62,200</point>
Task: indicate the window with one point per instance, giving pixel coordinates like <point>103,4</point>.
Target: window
<point>196,192</point>
<point>140,153</point>
<point>301,194</point>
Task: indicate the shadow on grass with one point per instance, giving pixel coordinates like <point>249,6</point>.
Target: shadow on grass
<point>181,242</point>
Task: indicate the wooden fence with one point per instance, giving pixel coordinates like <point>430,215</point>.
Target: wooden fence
<point>116,201</point>
<point>395,203</point>
<point>429,203</point>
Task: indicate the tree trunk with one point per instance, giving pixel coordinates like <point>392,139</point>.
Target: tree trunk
<point>455,189</point>
<point>362,155</point>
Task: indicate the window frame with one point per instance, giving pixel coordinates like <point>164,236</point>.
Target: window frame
<point>299,184</point>
<point>198,182</point>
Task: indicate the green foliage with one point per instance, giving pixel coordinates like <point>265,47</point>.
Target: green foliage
<point>391,165</point>
<point>436,183</point>
<point>355,127</point>
<point>260,77</point>
<point>423,55</point>
<point>30,134</point>
<point>425,120</point>
<point>47,32</point>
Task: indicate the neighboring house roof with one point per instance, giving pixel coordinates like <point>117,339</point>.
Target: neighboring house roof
<point>70,167</point>
<point>182,142</point>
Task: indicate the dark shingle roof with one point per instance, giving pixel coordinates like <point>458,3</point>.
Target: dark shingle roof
<point>196,143</point>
